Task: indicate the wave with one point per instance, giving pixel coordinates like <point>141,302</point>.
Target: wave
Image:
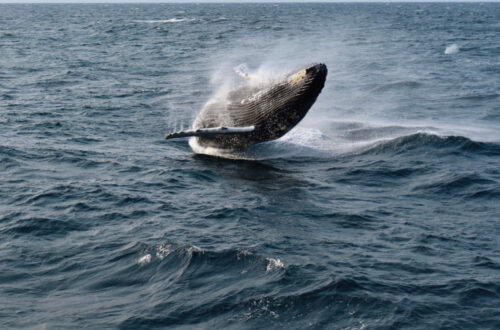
<point>405,84</point>
<point>286,294</point>
<point>170,20</point>
<point>10,158</point>
<point>243,260</point>
<point>448,144</point>
<point>480,97</point>
<point>319,303</point>
<point>307,143</point>
<point>466,185</point>
<point>11,152</point>
<point>136,263</point>
<point>220,19</point>
<point>40,226</point>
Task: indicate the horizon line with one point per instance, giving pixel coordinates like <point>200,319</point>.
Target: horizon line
<point>234,2</point>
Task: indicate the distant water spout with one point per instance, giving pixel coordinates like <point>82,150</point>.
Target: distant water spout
<point>451,49</point>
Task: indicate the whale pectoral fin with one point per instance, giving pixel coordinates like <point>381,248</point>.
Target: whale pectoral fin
<point>210,131</point>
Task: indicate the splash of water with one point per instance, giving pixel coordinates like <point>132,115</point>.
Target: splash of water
<point>451,49</point>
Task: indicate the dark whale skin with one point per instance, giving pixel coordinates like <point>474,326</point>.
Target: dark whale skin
<point>273,109</point>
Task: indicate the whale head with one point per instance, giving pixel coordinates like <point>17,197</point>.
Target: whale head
<point>286,103</point>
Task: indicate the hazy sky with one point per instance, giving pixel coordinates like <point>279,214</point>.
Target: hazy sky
<point>166,1</point>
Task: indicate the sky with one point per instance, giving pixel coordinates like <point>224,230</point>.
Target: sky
<point>197,1</point>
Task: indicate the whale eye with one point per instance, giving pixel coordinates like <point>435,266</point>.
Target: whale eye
<point>298,77</point>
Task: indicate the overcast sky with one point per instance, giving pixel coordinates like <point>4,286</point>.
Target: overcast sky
<point>187,1</point>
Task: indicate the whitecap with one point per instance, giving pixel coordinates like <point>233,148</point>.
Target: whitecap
<point>451,49</point>
<point>170,20</point>
<point>190,250</point>
<point>273,264</point>
<point>144,259</point>
<point>163,250</point>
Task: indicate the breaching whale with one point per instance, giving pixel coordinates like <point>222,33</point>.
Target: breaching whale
<point>257,112</point>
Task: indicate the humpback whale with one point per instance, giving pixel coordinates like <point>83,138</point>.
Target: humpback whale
<point>259,112</point>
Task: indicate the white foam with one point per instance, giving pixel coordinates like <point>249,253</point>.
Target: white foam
<point>144,259</point>
<point>163,250</point>
<point>190,250</point>
<point>273,264</point>
<point>210,151</point>
<point>242,253</point>
<point>451,49</point>
<point>170,20</point>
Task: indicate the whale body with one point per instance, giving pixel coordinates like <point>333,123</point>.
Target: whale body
<point>257,113</point>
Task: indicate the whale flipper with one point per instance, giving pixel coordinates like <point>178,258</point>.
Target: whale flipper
<point>210,131</point>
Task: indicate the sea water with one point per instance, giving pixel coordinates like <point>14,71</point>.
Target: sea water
<point>380,210</point>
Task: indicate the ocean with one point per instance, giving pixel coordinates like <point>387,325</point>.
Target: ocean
<point>380,210</point>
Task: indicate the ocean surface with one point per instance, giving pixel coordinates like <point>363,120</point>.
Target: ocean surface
<point>381,210</point>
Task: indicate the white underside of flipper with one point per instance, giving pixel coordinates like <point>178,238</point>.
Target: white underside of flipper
<point>210,131</point>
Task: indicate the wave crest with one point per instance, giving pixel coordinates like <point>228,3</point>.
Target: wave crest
<point>170,20</point>
<point>417,141</point>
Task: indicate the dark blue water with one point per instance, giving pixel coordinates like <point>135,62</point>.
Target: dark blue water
<point>380,210</point>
